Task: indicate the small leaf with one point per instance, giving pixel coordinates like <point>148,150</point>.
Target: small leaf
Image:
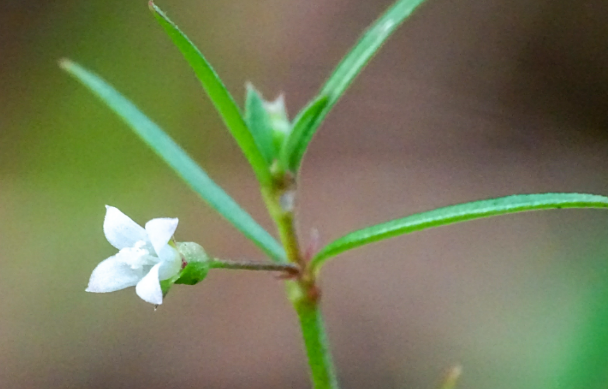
<point>352,64</point>
<point>219,95</point>
<point>303,129</point>
<point>457,213</point>
<point>259,123</point>
<point>177,158</point>
<point>279,121</point>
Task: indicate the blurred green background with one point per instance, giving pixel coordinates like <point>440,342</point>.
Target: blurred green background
<point>471,99</point>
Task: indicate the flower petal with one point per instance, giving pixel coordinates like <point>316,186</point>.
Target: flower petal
<point>171,263</point>
<point>120,230</point>
<point>160,232</point>
<point>149,287</point>
<point>113,274</point>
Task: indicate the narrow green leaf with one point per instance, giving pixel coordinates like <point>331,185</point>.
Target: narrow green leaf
<point>368,45</point>
<point>352,64</point>
<point>218,94</point>
<point>259,123</point>
<point>296,143</point>
<point>177,158</point>
<point>458,213</point>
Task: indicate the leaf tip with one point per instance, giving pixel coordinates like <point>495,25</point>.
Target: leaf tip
<point>65,63</point>
<point>157,12</point>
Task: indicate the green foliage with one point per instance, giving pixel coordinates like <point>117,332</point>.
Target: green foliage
<point>457,213</point>
<point>268,140</point>
<point>269,125</point>
<point>351,65</point>
<point>219,95</point>
<point>298,140</point>
<point>259,123</point>
<point>587,351</point>
<point>177,158</point>
<point>279,122</point>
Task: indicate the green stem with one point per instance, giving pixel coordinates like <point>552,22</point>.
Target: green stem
<point>283,217</point>
<point>288,268</point>
<point>302,291</point>
<point>315,340</point>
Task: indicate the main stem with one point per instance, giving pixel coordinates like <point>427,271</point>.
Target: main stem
<point>302,291</point>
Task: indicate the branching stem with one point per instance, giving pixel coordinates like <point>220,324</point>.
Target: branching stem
<point>302,291</point>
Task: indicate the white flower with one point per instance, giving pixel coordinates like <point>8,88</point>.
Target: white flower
<point>144,258</point>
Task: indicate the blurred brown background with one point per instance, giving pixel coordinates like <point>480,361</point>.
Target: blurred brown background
<point>470,99</point>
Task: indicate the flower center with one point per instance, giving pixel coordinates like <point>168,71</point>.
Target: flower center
<point>138,256</point>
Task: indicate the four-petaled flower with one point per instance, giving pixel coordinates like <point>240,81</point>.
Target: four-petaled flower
<point>144,258</point>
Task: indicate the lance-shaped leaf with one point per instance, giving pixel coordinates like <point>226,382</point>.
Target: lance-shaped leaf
<point>296,143</point>
<point>259,123</point>
<point>177,158</point>
<point>457,213</point>
<point>219,95</point>
<point>352,64</point>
